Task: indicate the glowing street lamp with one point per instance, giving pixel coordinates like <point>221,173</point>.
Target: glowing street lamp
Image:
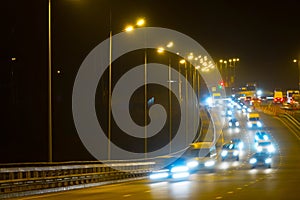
<point>129,28</point>
<point>298,63</point>
<point>140,22</point>
<point>182,61</point>
<point>160,50</point>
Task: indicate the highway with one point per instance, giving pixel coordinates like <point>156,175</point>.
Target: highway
<point>232,179</point>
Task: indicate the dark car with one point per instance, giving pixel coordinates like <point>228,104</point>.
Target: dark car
<point>230,151</point>
<point>239,142</point>
<point>261,159</point>
<point>176,170</point>
<point>261,136</point>
<point>233,122</point>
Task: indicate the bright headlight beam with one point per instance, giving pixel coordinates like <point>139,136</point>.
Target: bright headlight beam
<point>252,160</point>
<point>209,163</point>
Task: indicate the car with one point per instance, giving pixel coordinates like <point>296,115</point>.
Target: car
<point>201,156</point>
<point>176,170</point>
<point>265,146</point>
<point>245,109</point>
<point>239,142</point>
<point>260,159</point>
<point>230,151</point>
<point>261,136</point>
<point>233,122</point>
<point>228,112</point>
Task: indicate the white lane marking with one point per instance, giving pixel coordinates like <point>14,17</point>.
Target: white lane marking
<point>219,197</point>
<point>127,195</point>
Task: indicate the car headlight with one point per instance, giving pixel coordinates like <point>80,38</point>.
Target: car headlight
<point>181,175</point>
<point>268,160</point>
<point>235,153</point>
<point>179,169</point>
<point>259,124</point>
<point>241,145</point>
<point>209,163</point>
<point>237,123</point>
<point>230,124</point>
<point>159,174</point>
<point>249,124</point>
<point>259,149</point>
<point>252,161</point>
<point>192,164</point>
<point>224,153</point>
<point>249,110</point>
<point>271,149</point>
<point>266,137</point>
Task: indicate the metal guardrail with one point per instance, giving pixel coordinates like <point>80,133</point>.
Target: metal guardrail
<point>16,181</point>
<point>22,179</point>
<point>292,123</point>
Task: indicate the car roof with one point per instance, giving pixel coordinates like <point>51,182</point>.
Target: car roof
<point>264,142</point>
<point>230,145</point>
<point>261,154</point>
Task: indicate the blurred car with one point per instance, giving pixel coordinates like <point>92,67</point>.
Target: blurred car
<point>233,122</point>
<point>239,142</point>
<point>265,146</point>
<point>176,170</point>
<point>201,156</point>
<point>245,109</point>
<point>228,112</point>
<point>261,136</point>
<point>230,151</point>
<point>260,159</point>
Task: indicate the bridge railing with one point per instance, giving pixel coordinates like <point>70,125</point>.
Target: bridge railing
<point>22,181</point>
<point>37,178</point>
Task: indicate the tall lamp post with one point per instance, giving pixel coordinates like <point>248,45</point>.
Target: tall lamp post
<point>139,23</point>
<point>298,65</point>
<point>161,50</point>
<point>49,86</point>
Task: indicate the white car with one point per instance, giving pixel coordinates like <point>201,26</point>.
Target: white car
<point>265,146</point>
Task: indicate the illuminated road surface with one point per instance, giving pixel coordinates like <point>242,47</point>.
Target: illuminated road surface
<point>233,180</point>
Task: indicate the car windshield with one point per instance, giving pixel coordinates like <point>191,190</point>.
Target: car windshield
<point>203,152</point>
<point>229,146</point>
<point>264,143</point>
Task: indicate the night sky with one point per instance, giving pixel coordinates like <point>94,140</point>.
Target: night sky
<point>264,36</point>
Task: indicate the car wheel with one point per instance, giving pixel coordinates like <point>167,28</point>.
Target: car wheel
<point>269,166</point>
<point>237,158</point>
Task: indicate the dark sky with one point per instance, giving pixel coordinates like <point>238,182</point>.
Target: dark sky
<point>263,34</point>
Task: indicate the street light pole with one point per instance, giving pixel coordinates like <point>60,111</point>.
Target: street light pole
<point>49,86</point>
<point>298,65</point>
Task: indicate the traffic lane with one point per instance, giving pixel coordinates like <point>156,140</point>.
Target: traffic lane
<point>285,182</point>
<point>199,186</point>
<point>234,183</point>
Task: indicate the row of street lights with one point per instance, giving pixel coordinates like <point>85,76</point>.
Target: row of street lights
<point>228,71</point>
